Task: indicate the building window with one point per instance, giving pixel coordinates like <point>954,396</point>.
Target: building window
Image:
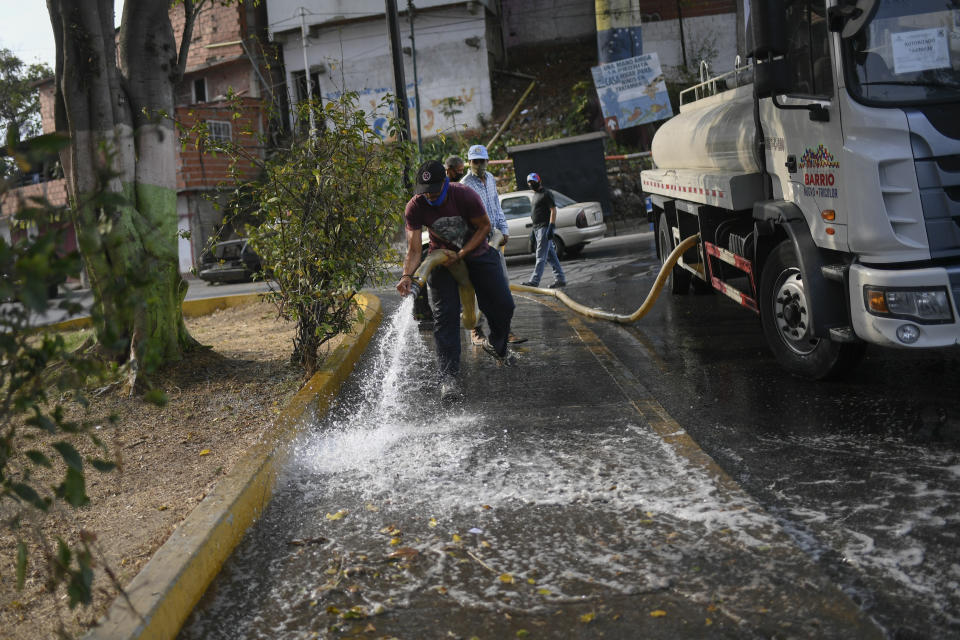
<point>200,90</point>
<point>301,85</point>
<point>220,130</point>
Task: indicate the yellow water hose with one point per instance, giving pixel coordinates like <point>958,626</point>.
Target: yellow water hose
<point>661,280</point>
<point>468,299</point>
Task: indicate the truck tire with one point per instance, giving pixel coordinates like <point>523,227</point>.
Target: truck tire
<point>783,314</point>
<point>679,277</point>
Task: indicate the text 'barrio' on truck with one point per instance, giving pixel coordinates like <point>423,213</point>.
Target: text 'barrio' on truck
<point>823,177</point>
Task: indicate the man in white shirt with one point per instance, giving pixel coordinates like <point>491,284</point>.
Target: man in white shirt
<point>483,182</point>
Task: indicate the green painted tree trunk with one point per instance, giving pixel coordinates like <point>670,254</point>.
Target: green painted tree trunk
<point>112,98</point>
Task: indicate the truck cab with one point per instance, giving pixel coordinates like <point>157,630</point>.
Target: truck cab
<point>823,177</point>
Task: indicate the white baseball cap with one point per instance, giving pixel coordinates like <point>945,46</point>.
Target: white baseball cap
<point>477,152</point>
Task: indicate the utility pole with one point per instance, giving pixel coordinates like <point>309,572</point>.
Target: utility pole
<point>683,44</point>
<point>399,82</point>
<point>306,71</point>
<point>416,80</point>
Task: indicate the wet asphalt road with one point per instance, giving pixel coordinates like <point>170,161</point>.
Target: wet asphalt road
<point>565,499</point>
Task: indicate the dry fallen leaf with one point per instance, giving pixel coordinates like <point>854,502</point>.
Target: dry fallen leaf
<point>404,552</point>
<point>658,613</point>
<point>205,452</point>
<point>456,538</point>
<point>588,617</point>
<point>506,578</point>
<point>337,516</point>
<point>432,523</point>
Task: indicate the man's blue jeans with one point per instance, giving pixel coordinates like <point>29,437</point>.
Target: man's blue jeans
<point>545,253</point>
<point>493,298</point>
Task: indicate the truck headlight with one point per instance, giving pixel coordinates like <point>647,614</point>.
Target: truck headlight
<point>929,305</point>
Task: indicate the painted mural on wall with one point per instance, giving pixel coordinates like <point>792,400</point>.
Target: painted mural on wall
<point>632,92</point>
<point>437,115</point>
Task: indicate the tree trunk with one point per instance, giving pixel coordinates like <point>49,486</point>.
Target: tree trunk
<point>123,142</point>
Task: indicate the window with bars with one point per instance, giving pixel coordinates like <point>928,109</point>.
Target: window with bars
<point>220,130</point>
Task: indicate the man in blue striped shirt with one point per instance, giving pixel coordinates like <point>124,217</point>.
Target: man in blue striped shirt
<point>483,182</point>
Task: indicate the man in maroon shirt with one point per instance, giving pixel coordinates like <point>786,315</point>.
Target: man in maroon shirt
<point>457,224</point>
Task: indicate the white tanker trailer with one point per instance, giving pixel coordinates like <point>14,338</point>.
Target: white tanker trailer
<point>824,178</point>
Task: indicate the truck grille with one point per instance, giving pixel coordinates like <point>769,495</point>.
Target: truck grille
<point>938,176</point>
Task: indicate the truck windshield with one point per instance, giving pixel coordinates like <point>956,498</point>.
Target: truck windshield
<point>909,53</point>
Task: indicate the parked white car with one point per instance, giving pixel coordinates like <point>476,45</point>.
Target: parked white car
<point>577,223</point>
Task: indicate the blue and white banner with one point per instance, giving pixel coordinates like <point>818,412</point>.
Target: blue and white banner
<point>632,92</point>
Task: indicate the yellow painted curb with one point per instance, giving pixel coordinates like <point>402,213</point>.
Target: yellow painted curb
<point>165,591</point>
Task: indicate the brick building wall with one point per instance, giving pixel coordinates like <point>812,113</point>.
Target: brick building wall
<point>215,26</point>
<point>55,191</point>
<point>198,170</point>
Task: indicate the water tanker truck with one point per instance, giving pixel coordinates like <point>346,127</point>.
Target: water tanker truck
<point>823,178</point>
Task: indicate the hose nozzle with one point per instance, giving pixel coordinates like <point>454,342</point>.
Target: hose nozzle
<point>415,287</point>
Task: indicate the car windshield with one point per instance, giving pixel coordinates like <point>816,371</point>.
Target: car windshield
<point>909,53</point>
<point>562,200</point>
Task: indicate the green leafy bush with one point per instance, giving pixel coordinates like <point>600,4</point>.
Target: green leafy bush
<point>330,207</point>
<point>39,372</point>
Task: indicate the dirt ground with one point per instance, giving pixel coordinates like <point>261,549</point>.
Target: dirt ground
<point>220,402</point>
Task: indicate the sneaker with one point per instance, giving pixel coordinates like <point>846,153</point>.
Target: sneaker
<point>530,284</point>
<point>507,359</point>
<point>450,390</point>
<point>477,337</point>
<point>558,284</point>
<point>515,339</point>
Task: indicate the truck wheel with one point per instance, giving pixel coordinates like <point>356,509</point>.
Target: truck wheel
<point>679,277</point>
<point>786,325</point>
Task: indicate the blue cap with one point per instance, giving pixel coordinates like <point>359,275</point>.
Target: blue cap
<point>533,177</point>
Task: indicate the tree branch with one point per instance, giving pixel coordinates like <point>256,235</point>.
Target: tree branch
<point>190,11</point>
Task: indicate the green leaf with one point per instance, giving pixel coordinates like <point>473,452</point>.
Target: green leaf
<point>21,564</point>
<point>69,454</point>
<point>73,488</point>
<point>156,396</point>
<point>102,465</point>
<point>79,587</point>
<point>63,555</point>
<point>28,494</point>
<point>37,458</point>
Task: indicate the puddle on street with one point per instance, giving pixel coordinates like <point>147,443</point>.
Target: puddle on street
<point>393,504</point>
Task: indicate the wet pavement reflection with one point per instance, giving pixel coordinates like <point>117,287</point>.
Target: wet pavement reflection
<point>559,500</point>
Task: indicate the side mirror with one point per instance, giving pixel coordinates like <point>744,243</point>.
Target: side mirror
<point>849,17</point>
<point>771,77</point>
<point>766,28</point>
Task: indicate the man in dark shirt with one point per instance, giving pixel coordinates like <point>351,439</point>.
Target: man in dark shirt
<point>458,225</point>
<point>544,218</point>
